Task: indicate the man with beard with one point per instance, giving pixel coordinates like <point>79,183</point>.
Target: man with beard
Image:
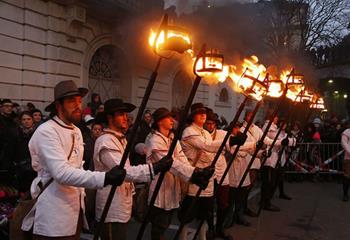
<point>109,149</point>
<point>56,150</point>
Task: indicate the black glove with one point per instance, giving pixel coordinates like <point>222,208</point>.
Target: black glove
<point>267,153</point>
<point>239,139</point>
<point>259,144</point>
<point>201,176</point>
<point>284,142</point>
<point>115,176</point>
<point>162,165</point>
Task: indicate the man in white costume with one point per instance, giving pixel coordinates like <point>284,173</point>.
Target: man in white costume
<point>222,197</point>
<point>57,150</point>
<point>200,150</point>
<point>169,195</point>
<point>269,172</point>
<point>109,149</point>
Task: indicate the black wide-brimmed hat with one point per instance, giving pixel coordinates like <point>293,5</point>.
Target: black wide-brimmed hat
<point>198,108</point>
<point>159,114</point>
<point>212,116</point>
<point>114,105</point>
<point>64,89</point>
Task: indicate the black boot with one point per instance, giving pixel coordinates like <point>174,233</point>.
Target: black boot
<point>240,219</point>
<point>221,216</point>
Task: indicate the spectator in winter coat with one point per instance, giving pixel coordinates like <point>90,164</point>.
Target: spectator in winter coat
<point>24,171</point>
<point>8,138</point>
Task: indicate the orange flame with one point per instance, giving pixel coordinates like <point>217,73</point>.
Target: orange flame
<point>318,104</point>
<point>305,96</point>
<point>249,77</point>
<point>294,82</point>
<point>178,39</point>
<point>276,88</point>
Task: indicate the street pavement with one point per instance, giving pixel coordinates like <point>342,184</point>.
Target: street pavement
<point>315,213</point>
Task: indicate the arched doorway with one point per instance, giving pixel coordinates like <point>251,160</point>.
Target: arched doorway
<point>181,88</point>
<point>104,73</point>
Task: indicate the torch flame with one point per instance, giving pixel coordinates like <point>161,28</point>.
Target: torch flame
<point>173,37</point>
<point>318,104</point>
<point>276,89</point>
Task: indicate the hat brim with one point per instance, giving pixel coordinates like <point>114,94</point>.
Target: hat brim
<point>81,92</point>
<point>127,107</point>
<point>199,111</point>
<point>169,114</point>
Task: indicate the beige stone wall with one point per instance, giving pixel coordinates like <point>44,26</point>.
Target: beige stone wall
<point>40,46</point>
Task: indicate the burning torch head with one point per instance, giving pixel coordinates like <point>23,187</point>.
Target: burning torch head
<point>169,39</point>
<point>208,62</point>
<point>253,87</point>
<point>318,104</point>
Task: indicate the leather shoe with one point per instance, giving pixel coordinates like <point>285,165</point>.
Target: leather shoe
<point>240,220</point>
<point>250,212</point>
<point>285,197</point>
<point>272,208</point>
<point>345,198</point>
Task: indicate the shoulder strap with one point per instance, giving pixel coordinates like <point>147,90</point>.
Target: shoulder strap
<point>42,188</point>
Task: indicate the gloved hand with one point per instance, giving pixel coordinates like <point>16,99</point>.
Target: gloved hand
<point>259,144</point>
<point>115,176</point>
<point>201,176</point>
<point>239,139</point>
<point>162,165</point>
<point>284,142</point>
<point>267,153</point>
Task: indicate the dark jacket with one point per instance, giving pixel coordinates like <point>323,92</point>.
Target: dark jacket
<point>8,139</point>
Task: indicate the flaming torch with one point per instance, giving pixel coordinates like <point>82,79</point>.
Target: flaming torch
<point>294,87</point>
<point>206,63</point>
<point>252,88</point>
<point>168,40</point>
<point>303,97</point>
<point>279,89</point>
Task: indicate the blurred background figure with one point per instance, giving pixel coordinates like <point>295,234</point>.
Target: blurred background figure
<point>37,117</point>
<point>23,164</point>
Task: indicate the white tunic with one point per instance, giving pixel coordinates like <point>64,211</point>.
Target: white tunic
<point>240,163</point>
<point>200,150</point>
<point>169,195</point>
<point>221,165</point>
<point>57,209</point>
<point>272,160</point>
<point>345,142</point>
<point>109,149</point>
<point>254,135</point>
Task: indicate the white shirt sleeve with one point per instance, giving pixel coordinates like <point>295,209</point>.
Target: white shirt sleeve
<point>57,163</point>
<point>140,173</point>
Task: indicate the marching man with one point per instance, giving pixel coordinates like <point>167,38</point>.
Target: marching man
<point>237,169</point>
<point>269,172</point>
<point>345,142</point>
<point>169,196</point>
<point>222,197</point>
<point>282,161</point>
<point>109,149</point>
<point>200,149</point>
<point>57,150</point>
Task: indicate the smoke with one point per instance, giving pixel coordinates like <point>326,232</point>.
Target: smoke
<point>236,30</point>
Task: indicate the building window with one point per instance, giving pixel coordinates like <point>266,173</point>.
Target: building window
<point>223,96</point>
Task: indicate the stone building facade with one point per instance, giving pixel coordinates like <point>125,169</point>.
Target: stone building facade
<point>45,41</point>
